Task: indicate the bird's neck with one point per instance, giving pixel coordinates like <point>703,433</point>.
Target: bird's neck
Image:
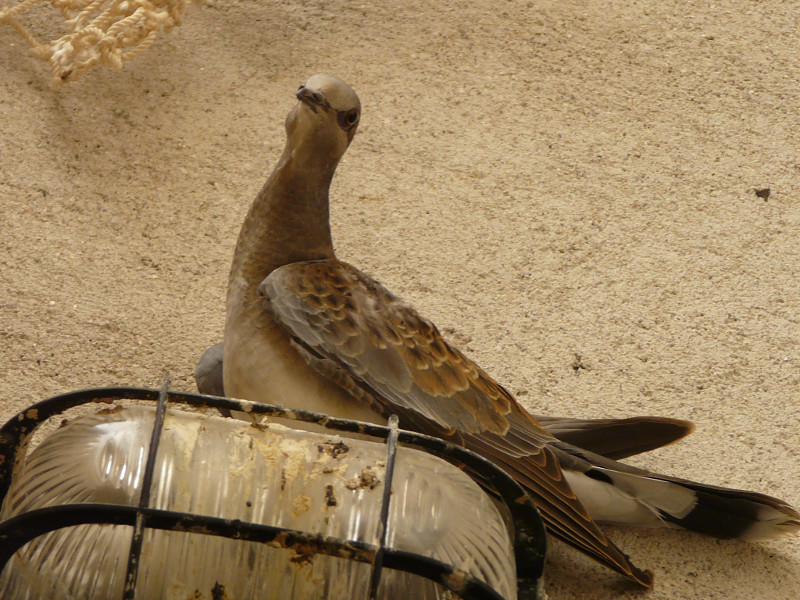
<point>288,221</point>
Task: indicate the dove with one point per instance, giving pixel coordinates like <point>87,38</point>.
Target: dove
<point>306,330</point>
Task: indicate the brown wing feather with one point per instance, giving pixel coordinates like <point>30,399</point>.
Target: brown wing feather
<point>341,312</point>
<point>381,350</point>
<point>617,438</point>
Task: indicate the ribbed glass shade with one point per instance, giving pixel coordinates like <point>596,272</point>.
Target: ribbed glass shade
<point>273,475</point>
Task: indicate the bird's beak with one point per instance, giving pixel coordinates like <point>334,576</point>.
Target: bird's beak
<point>312,98</point>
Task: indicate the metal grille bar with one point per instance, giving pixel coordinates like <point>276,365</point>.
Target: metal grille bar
<point>135,554</point>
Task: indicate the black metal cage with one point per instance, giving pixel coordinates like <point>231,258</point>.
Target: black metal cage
<point>527,526</point>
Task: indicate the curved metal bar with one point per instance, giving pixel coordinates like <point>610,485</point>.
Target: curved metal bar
<point>19,530</point>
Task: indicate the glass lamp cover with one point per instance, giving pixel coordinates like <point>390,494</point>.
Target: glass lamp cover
<point>269,474</point>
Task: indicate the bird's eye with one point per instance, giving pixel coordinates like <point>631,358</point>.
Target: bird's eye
<point>348,120</point>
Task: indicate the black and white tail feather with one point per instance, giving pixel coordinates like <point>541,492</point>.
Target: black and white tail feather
<point>616,493</point>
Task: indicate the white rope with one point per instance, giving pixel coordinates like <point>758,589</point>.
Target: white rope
<point>100,32</point>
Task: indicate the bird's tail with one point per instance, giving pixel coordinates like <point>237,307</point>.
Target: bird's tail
<point>619,494</point>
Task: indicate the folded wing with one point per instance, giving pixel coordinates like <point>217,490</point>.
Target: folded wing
<point>356,332</point>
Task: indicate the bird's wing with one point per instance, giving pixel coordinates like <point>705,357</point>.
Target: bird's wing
<point>352,329</point>
<point>341,313</point>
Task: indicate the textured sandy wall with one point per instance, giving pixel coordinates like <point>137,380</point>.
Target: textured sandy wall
<point>567,188</point>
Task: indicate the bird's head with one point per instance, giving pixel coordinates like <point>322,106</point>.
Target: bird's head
<point>325,119</point>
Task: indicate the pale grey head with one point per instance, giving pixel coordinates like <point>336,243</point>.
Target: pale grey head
<point>325,119</point>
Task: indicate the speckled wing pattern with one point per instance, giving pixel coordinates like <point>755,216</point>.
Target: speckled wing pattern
<point>378,346</point>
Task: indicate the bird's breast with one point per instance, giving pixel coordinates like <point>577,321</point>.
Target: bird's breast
<point>260,364</point>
